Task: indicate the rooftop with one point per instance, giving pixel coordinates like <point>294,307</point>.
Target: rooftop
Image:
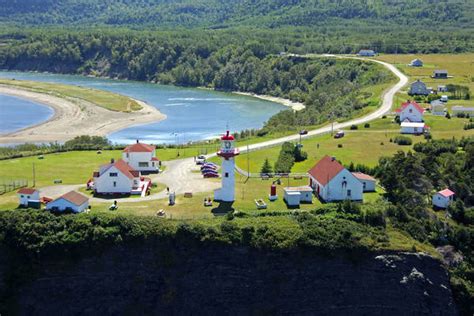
<point>75,198</point>
<point>326,169</point>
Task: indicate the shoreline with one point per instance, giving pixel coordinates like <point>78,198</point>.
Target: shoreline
<point>296,106</point>
<point>74,117</point>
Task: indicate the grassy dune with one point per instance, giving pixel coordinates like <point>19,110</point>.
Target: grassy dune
<point>105,99</point>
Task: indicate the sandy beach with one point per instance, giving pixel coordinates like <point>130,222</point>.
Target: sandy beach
<point>296,106</point>
<point>73,117</point>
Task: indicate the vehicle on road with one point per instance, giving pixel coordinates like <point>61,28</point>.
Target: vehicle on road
<point>201,159</point>
<point>303,132</point>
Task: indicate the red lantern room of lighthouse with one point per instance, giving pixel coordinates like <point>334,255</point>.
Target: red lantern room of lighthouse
<point>227,152</point>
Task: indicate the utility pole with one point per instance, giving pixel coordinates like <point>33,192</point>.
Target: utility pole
<point>34,175</point>
<point>248,162</point>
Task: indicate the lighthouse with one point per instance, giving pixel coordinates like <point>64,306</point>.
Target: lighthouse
<point>227,152</point>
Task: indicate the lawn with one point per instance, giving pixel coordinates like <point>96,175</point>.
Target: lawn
<point>460,66</point>
<point>105,99</point>
<point>364,146</point>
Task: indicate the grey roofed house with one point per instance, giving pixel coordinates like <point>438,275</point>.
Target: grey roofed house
<point>366,52</point>
<point>418,88</point>
<point>416,63</point>
<point>462,109</point>
<point>440,73</point>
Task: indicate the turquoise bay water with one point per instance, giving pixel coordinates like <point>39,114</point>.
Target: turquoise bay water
<point>17,113</point>
<point>192,114</point>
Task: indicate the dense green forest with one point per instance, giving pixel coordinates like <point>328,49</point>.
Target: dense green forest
<point>223,13</point>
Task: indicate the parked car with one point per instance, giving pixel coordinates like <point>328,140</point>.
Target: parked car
<point>211,175</point>
<point>201,159</point>
<point>303,132</point>
<point>339,134</point>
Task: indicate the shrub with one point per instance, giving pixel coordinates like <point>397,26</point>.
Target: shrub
<point>339,145</point>
<point>266,167</point>
<point>354,127</point>
<point>366,125</point>
<point>402,140</point>
<point>384,116</point>
<point>448,116</point>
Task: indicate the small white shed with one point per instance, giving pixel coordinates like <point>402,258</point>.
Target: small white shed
<point>74,201</point>
<point>443,198</point>
<point>412,128</point>
<point>27,195</point>
<point>368,182</point>
<point>295,195</point>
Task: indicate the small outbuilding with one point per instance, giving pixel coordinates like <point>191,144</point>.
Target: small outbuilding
<point>443,198</point>
<point>368,182</point>
<point>416,63</point>
<point>418,88</point>
<point>463,110</point>
<point>440,74</point>
<point>416,128</point>
<point>367,53</point>
<point>442,88</point>
<point>72,201</point>
<point>29,197</point>
<point>294,196</point>
<point>438,108</point>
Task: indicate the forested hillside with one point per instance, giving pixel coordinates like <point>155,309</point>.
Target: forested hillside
<point>221,13</point>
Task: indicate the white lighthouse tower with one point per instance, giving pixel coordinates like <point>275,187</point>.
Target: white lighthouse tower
<point>227,153</point>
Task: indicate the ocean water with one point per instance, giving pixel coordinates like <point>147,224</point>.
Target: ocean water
<point>192,114</point>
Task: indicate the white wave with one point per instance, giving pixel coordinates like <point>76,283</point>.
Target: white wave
<point>201,99</point>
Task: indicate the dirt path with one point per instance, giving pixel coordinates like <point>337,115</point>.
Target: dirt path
<point>73,117</point>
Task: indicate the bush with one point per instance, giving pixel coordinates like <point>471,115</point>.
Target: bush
<point>366,125</point>
<point>402,140</point>
<point>266,167</point>
<point>339,145</point>
<point>384,116</point>
<point>354,127</point>
<point>448,116</point>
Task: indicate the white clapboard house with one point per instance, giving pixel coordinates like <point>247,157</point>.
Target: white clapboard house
<point>71,201</point>
<point>330,181</point>
<point>119,178</point>
<point>141,157</point>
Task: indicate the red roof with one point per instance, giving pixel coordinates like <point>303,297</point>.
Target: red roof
<point>416,105</point>
<point>139,148</point>
<point>154,159</point>
<point>75,198</point>
<point>362,176</point>
<point>325,170</point>
<point>26,191</point>
<point>446,192</point>
<point>227,136</point>
<point>121,166</point>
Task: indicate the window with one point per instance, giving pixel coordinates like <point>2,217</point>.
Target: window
<point>22,196</point>
<point>113,174</point>
<point>115,184</point>
<point>143,164</point>
<point>349,192</point>
<point>364,185</point>
<point>128,155</point>
<point>410,111</point>
<point>226,174</point>
<point>152,164</point>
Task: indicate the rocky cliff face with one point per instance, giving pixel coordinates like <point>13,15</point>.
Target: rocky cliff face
<point>218,280</point>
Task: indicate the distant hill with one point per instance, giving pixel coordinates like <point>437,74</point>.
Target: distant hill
<point>226,13</point>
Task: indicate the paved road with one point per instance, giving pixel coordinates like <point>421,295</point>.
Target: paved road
<point>387,103</point>
<point>180,175</point>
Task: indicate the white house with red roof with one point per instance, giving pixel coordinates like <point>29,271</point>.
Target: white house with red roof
<point>141,157</point>
<point>118,177</point>
<point>443,198</point>
<point>332,182</point>
<point>410,111</point>
<point>27,195</point>
<point>368,182</point>
<point>73,201</point>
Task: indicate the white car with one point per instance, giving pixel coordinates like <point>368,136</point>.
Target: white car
<point>201,159</point>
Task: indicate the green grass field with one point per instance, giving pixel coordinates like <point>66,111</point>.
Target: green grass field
<point>105,99</point>
<point>459,66</point>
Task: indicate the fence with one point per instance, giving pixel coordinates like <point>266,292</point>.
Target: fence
<point>8,185</point>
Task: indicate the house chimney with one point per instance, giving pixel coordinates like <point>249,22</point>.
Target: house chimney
<point>112,160</point>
